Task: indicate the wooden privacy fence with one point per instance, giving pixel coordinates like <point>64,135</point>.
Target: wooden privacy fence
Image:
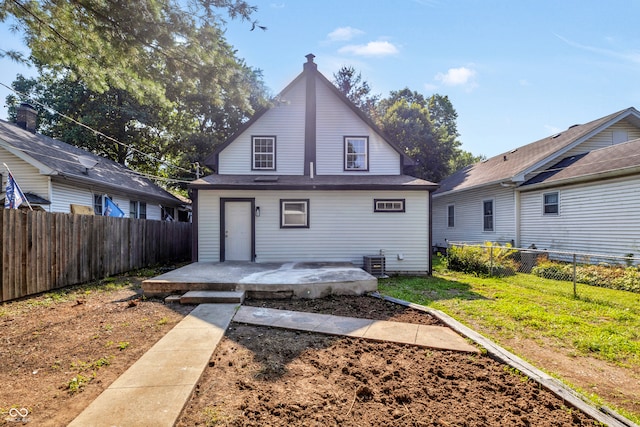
<point>43,251</point>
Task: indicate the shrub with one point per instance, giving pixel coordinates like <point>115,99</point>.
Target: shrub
<point>491,259</point>
<point>604,276</point>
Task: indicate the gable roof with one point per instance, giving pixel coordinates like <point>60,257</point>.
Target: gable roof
<point>61,161</point>
<point>307,72</point>
<point>512,166</point>
<point>616,160</point>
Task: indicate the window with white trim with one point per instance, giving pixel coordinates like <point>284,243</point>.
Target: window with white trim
<point>263,153</point>
<point>551,203</point>
<point>487,213</point>
<point>294,213</point>
<point>356,153</point>
<point>97,204</point>
<point>451,212</point>
<point>388,205</point>
<point>137,210</point>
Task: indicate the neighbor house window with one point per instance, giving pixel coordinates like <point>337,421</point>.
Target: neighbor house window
<point>137,210</point>
<point>294,213</point>
<point>356,153</point>
<point>551,203</point>
<point>97,204</point>
<point>264,153</point>
<point>451,211</point>
<point>487,210</point>
<point>387,205</point>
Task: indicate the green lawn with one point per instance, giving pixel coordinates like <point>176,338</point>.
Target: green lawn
<point>599,322</point>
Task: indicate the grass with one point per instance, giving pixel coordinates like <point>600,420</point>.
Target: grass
<point>599,322</point>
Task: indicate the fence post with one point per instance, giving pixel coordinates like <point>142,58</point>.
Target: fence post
<point>575,291</point>
<point>491,261</point>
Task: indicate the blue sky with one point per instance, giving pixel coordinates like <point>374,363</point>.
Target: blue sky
<point>515,70</point>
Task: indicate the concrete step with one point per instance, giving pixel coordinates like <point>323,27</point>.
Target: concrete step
<point>208,297</point>
<point>159,287</point>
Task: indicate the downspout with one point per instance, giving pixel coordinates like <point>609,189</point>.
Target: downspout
<point>430,237</point>
<point>194,224</point>
<point>516,198</point>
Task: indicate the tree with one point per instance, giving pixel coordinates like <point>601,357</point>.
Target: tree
<point>404,116</point>
<point>132,46</point>
<point>200,94</point>
<point>350,83</point>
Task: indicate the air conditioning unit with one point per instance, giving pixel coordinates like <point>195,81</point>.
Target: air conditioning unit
<point>374,265</point>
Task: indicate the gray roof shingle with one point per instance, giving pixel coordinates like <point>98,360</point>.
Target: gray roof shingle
<point>619,159</point>
<point>508,165</point>
<point>62,159</point>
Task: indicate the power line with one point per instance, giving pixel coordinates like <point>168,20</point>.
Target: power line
<point>96,132</point>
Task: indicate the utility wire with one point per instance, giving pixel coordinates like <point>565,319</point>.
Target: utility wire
<point>96,132</point>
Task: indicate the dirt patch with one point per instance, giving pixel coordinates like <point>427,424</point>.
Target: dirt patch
<point>267,376</point>
<point>59,351</point>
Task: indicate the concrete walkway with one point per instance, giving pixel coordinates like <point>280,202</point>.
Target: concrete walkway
<point>439,337</point>
<point>154,390</point>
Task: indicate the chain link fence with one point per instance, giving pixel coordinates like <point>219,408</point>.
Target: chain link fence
<point>501,259</point>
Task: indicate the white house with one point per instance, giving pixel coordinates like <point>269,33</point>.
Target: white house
<point>576,190</point>
<point>312,179</point>
<point>58,177</point>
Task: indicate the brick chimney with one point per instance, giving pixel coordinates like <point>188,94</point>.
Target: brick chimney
<point>26,117</point>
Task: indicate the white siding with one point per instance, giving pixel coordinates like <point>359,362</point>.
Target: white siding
<point>602,218</point>
<point>468,225</point>
<point>285,121</point>
<point>335,120</point>
<point>606,138</point>
<point>28,177</point>
<point>65,195</point>
<point>343,227</point>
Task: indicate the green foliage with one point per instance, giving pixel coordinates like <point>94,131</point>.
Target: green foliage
<point>78,383</point>
<point>425,128</point>
<point>605,276</point>
<point>150,74</point>
<point>491,259</point>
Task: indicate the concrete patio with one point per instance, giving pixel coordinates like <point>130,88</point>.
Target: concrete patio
<point>269,280</point>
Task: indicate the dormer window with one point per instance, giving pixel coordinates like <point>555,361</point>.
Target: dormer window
<point>356,153</point>
<point>264,153</point>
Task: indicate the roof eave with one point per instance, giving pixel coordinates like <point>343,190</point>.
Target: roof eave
<point>121,189</point>
<point>618,173</point>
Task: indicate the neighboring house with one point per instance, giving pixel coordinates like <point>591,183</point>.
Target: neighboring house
<point>577,190</point>
<point>58,177</point>
<point>312,179</point>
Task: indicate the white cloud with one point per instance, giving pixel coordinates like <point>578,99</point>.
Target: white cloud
<point>625,55</point>
<point>378,48</point>
<point>462,76</point>
<point>343,34</point>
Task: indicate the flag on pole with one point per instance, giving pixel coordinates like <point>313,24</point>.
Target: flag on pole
<point>111,209</point>
<point>14,196</point>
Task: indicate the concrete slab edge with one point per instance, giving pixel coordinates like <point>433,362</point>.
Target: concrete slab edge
<point>600,413</point>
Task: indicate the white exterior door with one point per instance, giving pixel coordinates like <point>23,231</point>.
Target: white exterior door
<point>238,231</point>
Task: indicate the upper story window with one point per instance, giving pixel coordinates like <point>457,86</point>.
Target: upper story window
<point>264,153</point>
<point>451,219</point>
<point>487,210</point>
<point>356,153</point>
<point>551,203</point>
